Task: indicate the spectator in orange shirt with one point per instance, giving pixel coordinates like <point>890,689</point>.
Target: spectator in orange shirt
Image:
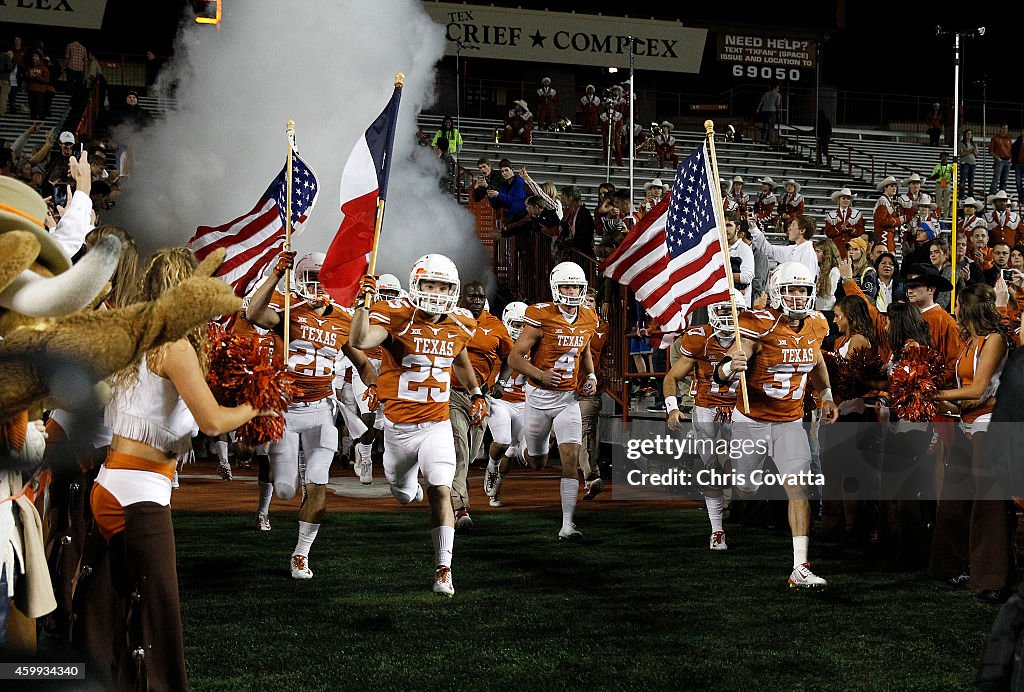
<point>999,147</point>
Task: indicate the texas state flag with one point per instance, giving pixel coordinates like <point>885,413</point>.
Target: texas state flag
<point>364,183</point>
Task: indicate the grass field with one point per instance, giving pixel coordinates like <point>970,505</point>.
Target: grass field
<point>641,604</point>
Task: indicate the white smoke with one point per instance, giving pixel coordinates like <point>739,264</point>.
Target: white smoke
<point>330,67</point>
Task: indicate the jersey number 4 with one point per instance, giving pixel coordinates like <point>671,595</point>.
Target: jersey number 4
<point>432,377</point>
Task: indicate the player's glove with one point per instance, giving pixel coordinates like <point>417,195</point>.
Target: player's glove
<point>285,261</point>
<point>478,410</point>
<point>370,397</point>
<point>367,287</point>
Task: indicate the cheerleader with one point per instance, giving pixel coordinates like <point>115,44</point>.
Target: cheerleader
<point>975,520</point>
<point>129,616</point>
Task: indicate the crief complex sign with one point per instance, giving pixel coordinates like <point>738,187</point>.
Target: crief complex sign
<point>84,14</point>
<point>579,39</point>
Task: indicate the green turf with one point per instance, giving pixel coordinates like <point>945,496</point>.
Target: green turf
<point>641,604</point>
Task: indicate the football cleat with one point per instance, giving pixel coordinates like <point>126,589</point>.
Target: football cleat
<point>490,482</point>
<point>443,585</point>
<point>300,567</point>
<point>495,501</point>
<point>174,483</point>
<point>718,541</point>
<point>262,522</point>
<point>463,522</point>
<point>593,487</point>
<point>419,493</point>
<point>803,577</point>
<point>366,472</point>
<point>224,470</point>
<point>569,533</point>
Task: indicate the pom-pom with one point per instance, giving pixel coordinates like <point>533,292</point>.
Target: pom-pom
<point>913,382</point>
<point>242,371</point>
<point>849,376</point>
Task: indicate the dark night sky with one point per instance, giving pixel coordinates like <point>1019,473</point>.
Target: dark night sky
<point>894,51</point>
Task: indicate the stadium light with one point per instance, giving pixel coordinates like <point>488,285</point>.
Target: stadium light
<point>612,70</point>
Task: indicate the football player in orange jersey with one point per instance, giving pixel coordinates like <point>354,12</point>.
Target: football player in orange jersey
<point>506,415</point>
<point>318,333</point>
<point>554,353</point>
<point>423,339</point>
<point>781,349</point>
<point>489,348</point>
<point>701,349</point>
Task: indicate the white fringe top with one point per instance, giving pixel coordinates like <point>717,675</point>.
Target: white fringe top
<point>152,412</point>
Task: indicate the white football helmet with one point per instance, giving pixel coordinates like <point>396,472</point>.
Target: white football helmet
<point>514,318</point>
<point>389,287</point>
<point>568,274</point>
<point>787,276</point>
<point>307,275</point>
<point>434,268</point>
<point>720,314</point>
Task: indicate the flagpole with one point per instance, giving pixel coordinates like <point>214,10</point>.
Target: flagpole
<point>709,127</point>
<point>289,128</point>
<point>379,221</point>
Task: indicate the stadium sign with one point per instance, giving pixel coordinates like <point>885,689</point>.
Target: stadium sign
<point>560,38</point>
<point>767,57</point>
<point>83,14</point>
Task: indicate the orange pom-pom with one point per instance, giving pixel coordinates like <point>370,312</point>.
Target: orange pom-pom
<point>849,376</point>
<point>913,382</point>
<point>242,371</point>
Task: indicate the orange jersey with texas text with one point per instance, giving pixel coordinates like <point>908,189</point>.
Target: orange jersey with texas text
<point>315,342</point>
<point>701,344</point>
<point>561,343</point>
<point>489,348</point>
<point>777,376</point>
<point>416,368</point>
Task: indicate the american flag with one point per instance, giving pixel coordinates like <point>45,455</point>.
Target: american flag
<point>255,239</point>
<point>673,260</point>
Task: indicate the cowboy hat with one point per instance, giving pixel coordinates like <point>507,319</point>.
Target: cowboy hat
<point>737,179</point>
<point>914,178</point>
<point>589,88</point>
<point>886,182</point>
<point>845,192</point>
<point>927,275</point>
<point>546,80</point>
<point>971,202</point>
<point>521,104</point>
<point>1001,195</point>
<point>792,182</point>
<point>655,183</point>
<point>22,209</point>
<point>767,180</point>
<point>666,124</point>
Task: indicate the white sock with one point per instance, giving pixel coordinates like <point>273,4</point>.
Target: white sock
<point>492,465</point>
<point>569,489</point>
<point>266,493</point>
<point>222,452</point>
<point>715,505</point>
<point>307,534</point>
<point>511,451</point>
<point>800,550</point>
<point>444,541</point>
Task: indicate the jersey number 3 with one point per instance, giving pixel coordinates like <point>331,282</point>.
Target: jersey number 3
<point>424,371</point>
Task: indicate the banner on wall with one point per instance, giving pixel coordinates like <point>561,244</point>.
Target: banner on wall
<point>563,38</point>
<point>84,14</point>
